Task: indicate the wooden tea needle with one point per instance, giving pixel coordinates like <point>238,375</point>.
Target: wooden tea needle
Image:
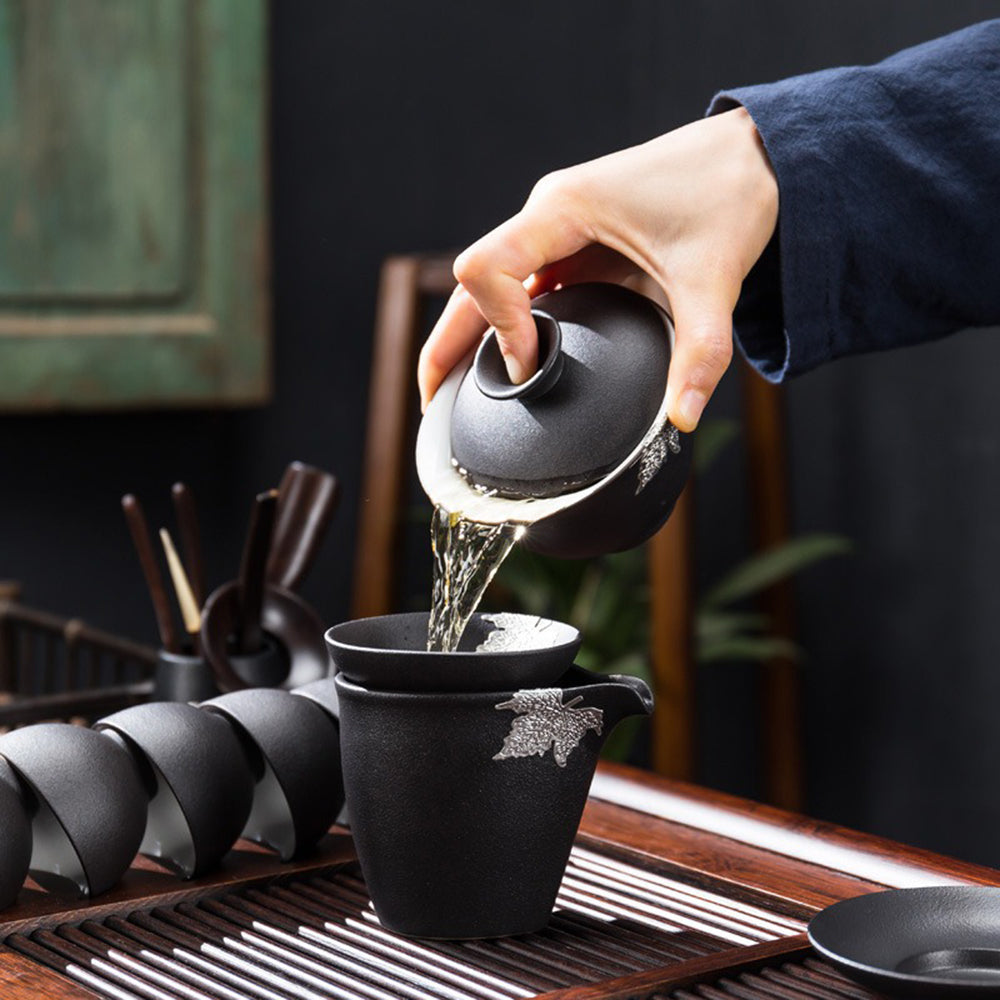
<point>182,586</point>
<point>151,571</point>
<point>187,523</point>
<point>253,567</point>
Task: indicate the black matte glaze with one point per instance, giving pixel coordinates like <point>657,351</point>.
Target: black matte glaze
<point>615,355</point>
<point>453,843</point>
<point>489,370</point>
<point>181,677</point>
<point>15,836</point>
<point>294,653</point>
<point>201,759</point>
<point>301,743</point>
<point>616,517</point>
<point>389,652</point>
<point>942,941</point>
<point>266,667</point>
<point>323,693</point>
<point>93,789</point>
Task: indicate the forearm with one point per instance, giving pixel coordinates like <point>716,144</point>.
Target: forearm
<point>889,226</point>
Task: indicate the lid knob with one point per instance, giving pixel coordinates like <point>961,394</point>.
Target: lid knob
<point>490,372</point>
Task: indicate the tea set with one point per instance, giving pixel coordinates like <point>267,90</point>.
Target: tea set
<point>465,773</point>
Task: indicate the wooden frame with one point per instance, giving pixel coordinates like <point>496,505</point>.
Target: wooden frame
<point>55,668</point>
<point>406,282</point>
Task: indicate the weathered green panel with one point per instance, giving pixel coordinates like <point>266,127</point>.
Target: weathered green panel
<point>133,224</point>
<point>93,148</point>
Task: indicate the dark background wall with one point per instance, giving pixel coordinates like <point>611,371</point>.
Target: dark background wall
<point>401,126</point>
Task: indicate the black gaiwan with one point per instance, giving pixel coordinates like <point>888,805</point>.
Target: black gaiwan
<point>464,804</point>
<point>582,452</point>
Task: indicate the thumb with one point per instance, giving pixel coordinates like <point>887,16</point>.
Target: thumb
<point>703,348</point>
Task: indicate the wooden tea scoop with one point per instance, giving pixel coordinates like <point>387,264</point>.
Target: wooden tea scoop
<point>253,567</point>
<point>190,611</point>
<point>151,571</point>
<point>187,523</point>
<point>307,499</point>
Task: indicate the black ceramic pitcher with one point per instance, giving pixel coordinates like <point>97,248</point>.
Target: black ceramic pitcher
<point>464,805</point>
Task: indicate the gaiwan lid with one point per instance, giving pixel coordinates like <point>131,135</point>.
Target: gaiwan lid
<point>603,356</point>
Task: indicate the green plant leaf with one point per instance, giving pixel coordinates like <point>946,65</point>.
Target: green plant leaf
<point>772,565</point>
<point>635,663</point>
<point>582,611</point>
<point>747,647</point>
<point>710,625</point>
<point>713,436</point>
<point>618,745</point>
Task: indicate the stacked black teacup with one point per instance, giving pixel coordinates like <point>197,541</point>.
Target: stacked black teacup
<point>466,773</point>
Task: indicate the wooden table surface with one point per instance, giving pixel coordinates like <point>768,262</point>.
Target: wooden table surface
<point>673,891</point>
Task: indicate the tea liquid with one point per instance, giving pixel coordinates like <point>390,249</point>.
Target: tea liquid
<point>467,555</point>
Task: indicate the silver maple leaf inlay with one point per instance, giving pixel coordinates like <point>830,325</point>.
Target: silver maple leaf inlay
<point>544,721</point>
<point>665,442</point>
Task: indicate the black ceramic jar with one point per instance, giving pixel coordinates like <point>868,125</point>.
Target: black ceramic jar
<point>582,453</point>
<point>464,806</point>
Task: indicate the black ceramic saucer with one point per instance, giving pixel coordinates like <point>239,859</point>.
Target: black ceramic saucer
<point>942,941</point>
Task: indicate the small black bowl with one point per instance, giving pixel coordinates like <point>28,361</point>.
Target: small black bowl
<point>87,802</point>
<point>198,776</point>
<point>300,790</point>
<point>389,653</point>
<point>15,836</point>
<point>323,693</point>
<point>940,941</point>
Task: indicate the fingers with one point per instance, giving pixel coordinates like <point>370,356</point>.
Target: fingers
<point>503,300</point>
<point>458,328</point>
<point>494,269</point>
<point>592,263</point>
<point>703,348</point>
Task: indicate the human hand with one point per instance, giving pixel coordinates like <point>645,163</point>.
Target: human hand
<point>693,208</point>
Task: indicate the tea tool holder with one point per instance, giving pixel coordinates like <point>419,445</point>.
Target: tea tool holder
<point>182,677</point>
<point>293,652</point>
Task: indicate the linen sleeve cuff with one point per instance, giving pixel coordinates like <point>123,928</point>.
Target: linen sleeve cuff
<point>782,321</point>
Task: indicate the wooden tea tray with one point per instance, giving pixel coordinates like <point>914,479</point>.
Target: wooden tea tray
<point>672,891</point>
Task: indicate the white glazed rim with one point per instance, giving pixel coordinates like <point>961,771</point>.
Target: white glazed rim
<point>448,488</point>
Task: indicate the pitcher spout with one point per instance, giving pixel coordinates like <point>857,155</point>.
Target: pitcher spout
<point>617,695</point>
<point>634,696</point>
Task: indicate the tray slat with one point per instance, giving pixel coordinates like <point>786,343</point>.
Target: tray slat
<point>315,935</point>
<point>807,979</point>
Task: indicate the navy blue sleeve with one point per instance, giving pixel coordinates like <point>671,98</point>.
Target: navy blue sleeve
<point>889,204</point>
